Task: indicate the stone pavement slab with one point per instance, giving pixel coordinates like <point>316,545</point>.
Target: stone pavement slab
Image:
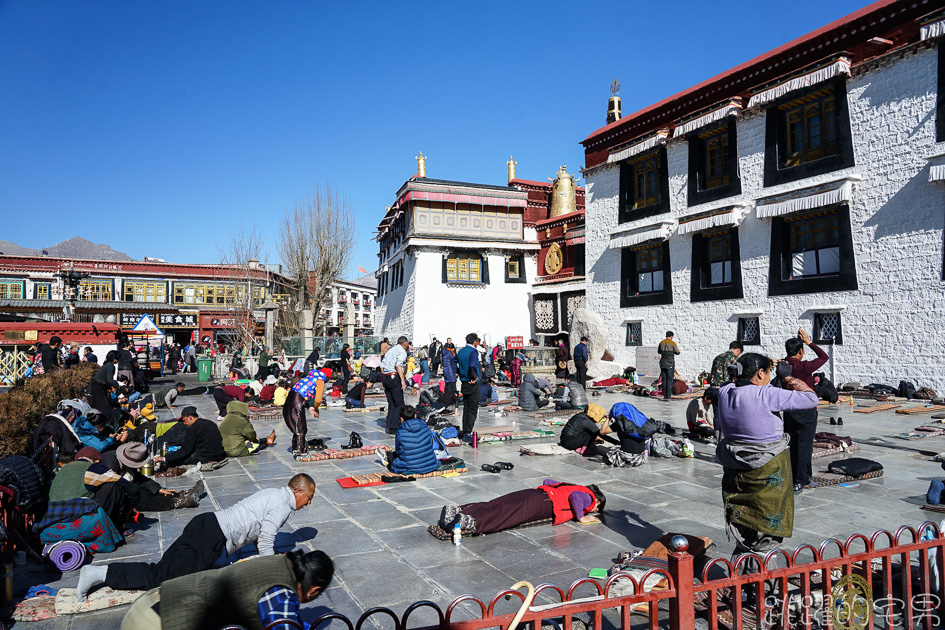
<point>385,557</point>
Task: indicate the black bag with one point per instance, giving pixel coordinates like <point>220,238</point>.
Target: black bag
<point>854,466</point>
<point>906,389</point>
<point>878,388</point>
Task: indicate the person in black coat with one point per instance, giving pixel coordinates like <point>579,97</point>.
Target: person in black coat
<point>103,382</point>
<point>202,443</point>
<point>127,459</point>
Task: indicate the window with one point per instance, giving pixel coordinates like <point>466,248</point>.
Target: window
<point>808,133</point>
<point>713,163</point>
<point>95,290</point>
<point>42,291</point>
<point>827,329</point>
<point>749,331</point>
<point>465,268</point>
<point>940,104</point>
<point>143,291</point>
<point>634,333</point>
<point>716,266</point>
<point>645,275</point>
<point>515,269</point>
<point>815,246</point>
<point>812,253</point>
<point>12,290</point>
<point>220,294</point>
<point>650,270</point>
<point>644,186</point>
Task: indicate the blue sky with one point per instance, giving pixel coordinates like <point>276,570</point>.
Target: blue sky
<point>159,127</point>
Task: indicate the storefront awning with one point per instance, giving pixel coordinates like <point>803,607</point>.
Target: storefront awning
<point>838,67</point>
<point>843,192</point>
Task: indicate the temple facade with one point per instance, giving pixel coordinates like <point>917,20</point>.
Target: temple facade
<point>801,189</point>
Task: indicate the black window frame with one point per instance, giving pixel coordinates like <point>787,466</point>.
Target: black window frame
<point>817,338</point>
<point>740,336</point>
<point>697,191</point>
<point>520,259</point>
<point>628,341</point>
<point>940,97</point>
<point>700,290</point>
<point>483,267</point>
<point>779,282</point>
<point>626,200</point>
<point>776,137</point>
<point>628,278</point>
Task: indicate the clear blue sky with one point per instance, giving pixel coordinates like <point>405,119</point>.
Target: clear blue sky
<point>159,127</point>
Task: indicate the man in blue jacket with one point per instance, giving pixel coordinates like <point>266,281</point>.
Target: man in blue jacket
<point>581,357</point>
<point>467,366</point>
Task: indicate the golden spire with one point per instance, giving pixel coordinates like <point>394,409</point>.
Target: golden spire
<point>421,165</point>
<point>613,105</point>
<point>511,164</point>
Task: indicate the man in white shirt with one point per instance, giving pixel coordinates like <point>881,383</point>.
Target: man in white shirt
<point>394,379</point>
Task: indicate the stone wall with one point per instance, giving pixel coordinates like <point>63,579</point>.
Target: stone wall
<point>892,327</point>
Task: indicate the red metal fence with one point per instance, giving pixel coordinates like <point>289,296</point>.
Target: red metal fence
<point>881,581</point>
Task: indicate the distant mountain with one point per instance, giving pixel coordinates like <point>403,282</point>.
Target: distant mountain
<point>75,247</point>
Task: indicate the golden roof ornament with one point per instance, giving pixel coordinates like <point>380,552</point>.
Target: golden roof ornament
<point>421,165</point>
<point>562,193</point>
<point>511,164</point>
<point>613,105</point>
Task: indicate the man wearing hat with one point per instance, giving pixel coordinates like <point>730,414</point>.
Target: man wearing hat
<point>202,441</point>
<point>86,477</point>
<point>128,459</point>
<point>307,392</point>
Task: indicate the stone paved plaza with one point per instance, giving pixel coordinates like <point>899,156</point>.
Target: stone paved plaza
<point>384,555</point>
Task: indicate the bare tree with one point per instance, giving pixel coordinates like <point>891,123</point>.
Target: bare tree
<point>242,255</point>
<point>316,243</point>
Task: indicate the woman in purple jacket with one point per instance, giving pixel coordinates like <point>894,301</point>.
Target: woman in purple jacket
<point>757,486</point>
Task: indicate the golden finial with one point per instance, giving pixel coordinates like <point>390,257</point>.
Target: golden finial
<point>421,165</point>
<point>615,88</point>
<point>511,164</point>
<point>613,104</point>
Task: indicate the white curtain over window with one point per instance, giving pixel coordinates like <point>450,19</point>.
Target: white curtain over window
<point>660,232</point>
<point>639,147</point>
<point>729,109</point>
<point>933,30</point>
<point>732,216</point>
<point>844,192</point>
<point>937,173</point>
<point>840,66</point>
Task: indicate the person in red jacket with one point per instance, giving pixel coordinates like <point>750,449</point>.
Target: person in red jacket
<point>802,425</point>
<point>559,501</point>
<point>226,394</point>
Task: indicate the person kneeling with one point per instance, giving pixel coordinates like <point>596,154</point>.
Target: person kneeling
<point>414,447</point>
<point>354,399</point>
<point>238,435</point>
<point>249,594</point>
<point>582,430</point>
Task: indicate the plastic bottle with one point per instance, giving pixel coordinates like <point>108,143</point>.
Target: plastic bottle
<point>457,535</point>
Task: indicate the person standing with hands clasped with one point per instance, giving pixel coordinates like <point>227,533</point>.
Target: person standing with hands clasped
<point>581,357</point>
<point>467,368</point>
<point>394,380</point>
<point>801,424</point>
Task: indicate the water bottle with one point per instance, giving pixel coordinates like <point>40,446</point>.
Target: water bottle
<point>457,535</point>
<point>475,439</point>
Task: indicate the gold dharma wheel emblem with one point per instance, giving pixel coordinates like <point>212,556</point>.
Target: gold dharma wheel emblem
<point>851,605</point>
<point>554,260</point>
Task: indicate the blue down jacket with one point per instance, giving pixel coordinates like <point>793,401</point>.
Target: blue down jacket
<point>449,365</point>
<point>91,437</point>
<point>414,447</point>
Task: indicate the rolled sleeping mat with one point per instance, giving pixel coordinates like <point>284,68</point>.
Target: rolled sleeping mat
<point>66,555</point>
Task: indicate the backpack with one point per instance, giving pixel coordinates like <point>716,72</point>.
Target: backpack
<point>37,365</point>
<point>906,389</point>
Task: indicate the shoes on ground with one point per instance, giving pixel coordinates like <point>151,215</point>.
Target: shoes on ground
<point>798,488</point>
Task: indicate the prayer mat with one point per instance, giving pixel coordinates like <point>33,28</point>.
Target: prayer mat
<point>67,604</point>
<point>499,402</point>
<point>912,435</point>
<point>254,408</point>
<point>520,435</point>
<point>823,449</point>
<point>555,414</point>
<point>366,409</point>
<point>375,478</point>
<point>347,483</point>
<point>938,416</point>
<point>275,412</point>
<point>441,534</point>
<point>873,408</point>
<point>932,429</point>
<point>934,508</point>
<point>340,453</point>
<point>176,471</point>
<point>500,428</point>
<point>35,609</point>
<point>914,410</point>
<point>831,479</point>
<point>551,422</point>
<point>688,396</point>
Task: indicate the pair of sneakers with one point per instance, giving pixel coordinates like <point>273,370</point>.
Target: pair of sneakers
<point>497,467</point>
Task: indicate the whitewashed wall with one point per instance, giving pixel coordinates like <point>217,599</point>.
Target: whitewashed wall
<point>893,327</point>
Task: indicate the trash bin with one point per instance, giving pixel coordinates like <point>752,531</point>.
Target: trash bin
<point>204,369</point>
